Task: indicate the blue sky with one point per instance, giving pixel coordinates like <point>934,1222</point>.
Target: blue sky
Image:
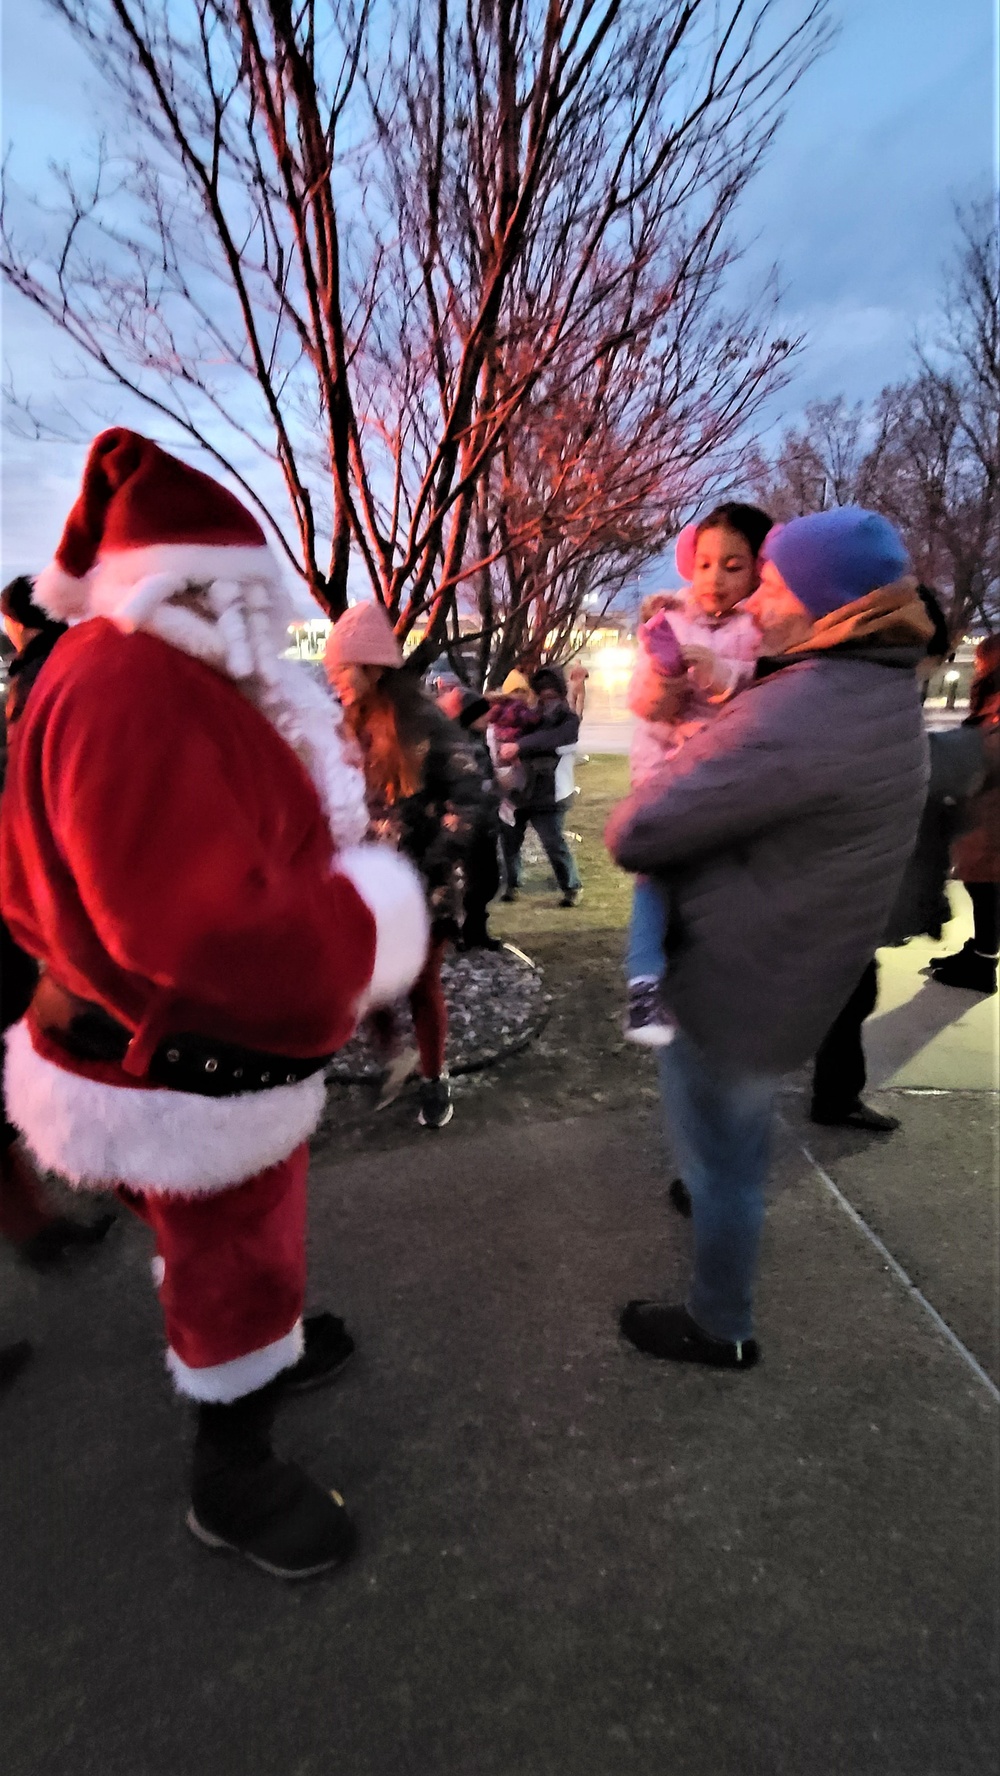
<point>856,207</point>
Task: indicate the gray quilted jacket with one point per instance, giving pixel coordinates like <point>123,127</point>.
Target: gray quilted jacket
<point>782,833</point>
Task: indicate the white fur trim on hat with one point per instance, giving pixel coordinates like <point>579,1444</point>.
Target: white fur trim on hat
<point>167,1142</point>
<point>243,1375</point>
<point>391,888</point>
<point>60,593</point>
<point>113,580</point>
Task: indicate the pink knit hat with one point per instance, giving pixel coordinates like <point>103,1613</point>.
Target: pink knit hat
<point>363,636</point>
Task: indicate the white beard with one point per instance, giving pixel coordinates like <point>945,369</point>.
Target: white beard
<point>241,634</point>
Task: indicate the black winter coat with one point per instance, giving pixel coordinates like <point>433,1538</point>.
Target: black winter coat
<point>539,753</point>
<point>435,827</point>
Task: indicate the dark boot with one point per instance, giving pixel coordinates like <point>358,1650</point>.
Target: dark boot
<point>663,1331</point>
<point>12,1360</point>
<point>327,1345</point>
<point>60,1237</point>
<point>680,1196</point>
<point>854,1116</point>
<point>245,1499</point>
<point>967,968</point>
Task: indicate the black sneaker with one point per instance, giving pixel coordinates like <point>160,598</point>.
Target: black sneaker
<point>570,897</point>
<point>436,1107</point>
<point>510,894</point>
<point>328,1345</point>
<point>662,1331</point>
<point>647,1020</point>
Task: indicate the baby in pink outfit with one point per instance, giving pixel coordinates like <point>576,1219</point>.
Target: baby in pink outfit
<point>695,652</point>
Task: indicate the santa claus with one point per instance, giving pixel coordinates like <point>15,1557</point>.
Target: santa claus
<point>180,847</point>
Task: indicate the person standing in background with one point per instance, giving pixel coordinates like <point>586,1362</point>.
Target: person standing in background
<point>976,851</point>
<point>542,798</point>
<point>41,1236</point>
<point>576,695</point>
<point>425,797</point>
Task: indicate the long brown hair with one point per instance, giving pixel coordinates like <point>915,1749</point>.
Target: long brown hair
<point>391,722</point>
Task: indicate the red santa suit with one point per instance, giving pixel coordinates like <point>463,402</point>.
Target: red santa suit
<point>179,847</point>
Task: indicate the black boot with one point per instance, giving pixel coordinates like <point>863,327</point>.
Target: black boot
<point>12,1360</point>
<point>680,1196</point>
<point>663,1331</point>
<point>327,1345</point>
<point>856,1115</point>
<point>967,968</point>
<point>61,1236</point>
<point>244,1498</point>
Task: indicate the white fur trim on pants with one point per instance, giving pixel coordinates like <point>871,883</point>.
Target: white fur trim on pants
<point>165,1142</point>
<point>243,1375</point>
<point>393,891</point>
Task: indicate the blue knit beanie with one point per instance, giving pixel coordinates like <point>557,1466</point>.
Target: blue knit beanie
<point>832,558</point>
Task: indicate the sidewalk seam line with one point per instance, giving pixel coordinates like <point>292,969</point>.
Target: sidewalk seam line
<point>897,1269</point>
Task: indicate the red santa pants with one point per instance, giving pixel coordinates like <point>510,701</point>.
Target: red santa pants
<point>231,1272</point>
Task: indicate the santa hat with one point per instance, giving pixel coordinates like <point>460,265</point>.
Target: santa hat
<point>146,525</point>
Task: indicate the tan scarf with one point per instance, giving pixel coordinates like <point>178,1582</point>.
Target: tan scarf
<point>891,616</point>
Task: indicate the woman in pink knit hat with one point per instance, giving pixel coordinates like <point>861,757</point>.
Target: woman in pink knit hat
<point>424,794</point>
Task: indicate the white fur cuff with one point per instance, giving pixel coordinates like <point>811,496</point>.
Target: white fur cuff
<point>170,1143</point>
<point>243,1375</point>
<point>393,891</point>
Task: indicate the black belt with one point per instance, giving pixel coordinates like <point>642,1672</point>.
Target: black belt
<point>185,1062</point>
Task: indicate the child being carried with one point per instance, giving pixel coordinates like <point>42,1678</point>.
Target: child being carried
<point>695,652</point>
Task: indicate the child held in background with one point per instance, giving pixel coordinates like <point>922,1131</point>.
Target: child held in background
<point>514,713</point>
<point>694,653</point>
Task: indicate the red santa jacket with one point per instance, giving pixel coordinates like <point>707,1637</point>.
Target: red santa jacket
<point>164,853</point>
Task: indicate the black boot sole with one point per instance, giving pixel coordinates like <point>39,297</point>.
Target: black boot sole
<point>219,1545</point>
<point>309,1382</point>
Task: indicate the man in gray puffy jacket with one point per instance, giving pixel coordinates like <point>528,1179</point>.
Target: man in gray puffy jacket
<point>780,834</point>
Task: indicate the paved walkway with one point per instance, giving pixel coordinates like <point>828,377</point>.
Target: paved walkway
<point>574,1561</point>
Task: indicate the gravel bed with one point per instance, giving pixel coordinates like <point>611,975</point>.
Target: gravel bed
<point>496,1003</point>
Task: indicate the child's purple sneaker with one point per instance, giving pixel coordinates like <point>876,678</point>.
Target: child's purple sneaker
<point>647,1020</point>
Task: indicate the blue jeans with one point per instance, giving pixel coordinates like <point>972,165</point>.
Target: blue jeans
<point>647,931</point>
<point>720,1128</point>
<point>549,828</point>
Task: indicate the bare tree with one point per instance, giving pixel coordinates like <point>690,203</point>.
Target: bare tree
<point>927,451</point>
<point>836,458</point>
<point>375,250</point>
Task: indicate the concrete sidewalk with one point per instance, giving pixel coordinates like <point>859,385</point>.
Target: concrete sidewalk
<point>574,1561</point>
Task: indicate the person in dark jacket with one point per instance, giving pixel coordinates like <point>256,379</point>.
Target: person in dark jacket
<point>780,835</point>
<point>976,851</point>
<point>539,801</point>
<point>41,1236</point>
<point>425,796</point>
<point>482,859</point>
<point>840,1072</point>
